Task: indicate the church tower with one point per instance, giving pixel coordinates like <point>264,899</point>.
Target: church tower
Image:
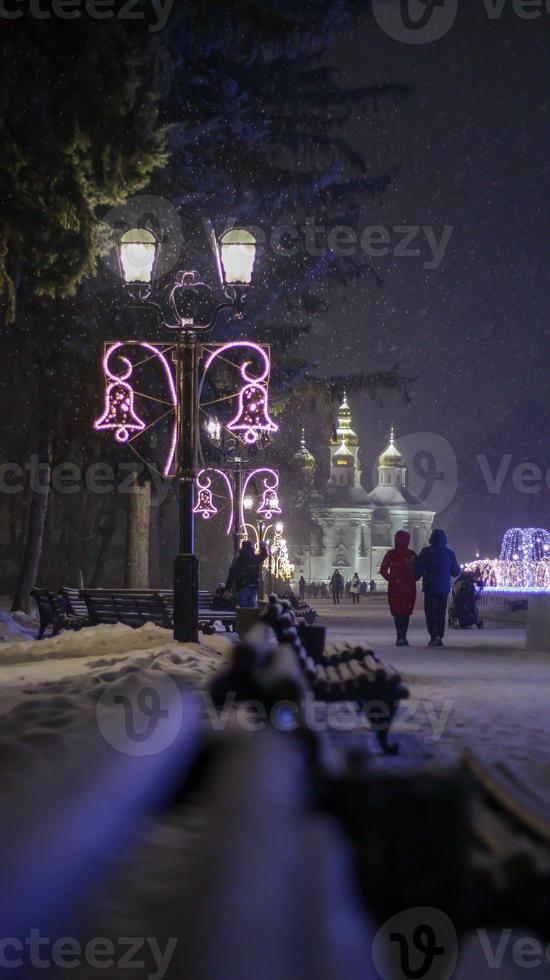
<point>305,460</point>
<point>392,469</point>
<point>344,451</point>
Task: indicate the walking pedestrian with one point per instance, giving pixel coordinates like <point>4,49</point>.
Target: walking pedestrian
<point>398,569</point>
<point>302,588</point>
<point>435,565</point>
<point>244,574</point>
<point>355,588</point>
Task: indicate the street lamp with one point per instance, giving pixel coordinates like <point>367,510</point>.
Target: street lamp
<point>237,254</point>
<point>192,309</point>
<point>138,251</point>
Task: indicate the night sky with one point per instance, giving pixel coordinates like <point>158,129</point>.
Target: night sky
<point>472,144</point>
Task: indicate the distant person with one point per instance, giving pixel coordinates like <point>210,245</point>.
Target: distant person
<point>244,574</point>
<point>336,586</point>
<point>323,590</point>
<point>363,589</point>
<point>435,566</point>
<point>355,588</point>
<point>302,588</point>
<point>398,569</point>
<point>372,585</point>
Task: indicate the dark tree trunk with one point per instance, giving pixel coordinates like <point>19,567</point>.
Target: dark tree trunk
<point>107,534</point>
<point>35,532</point>
<point>137,541</point>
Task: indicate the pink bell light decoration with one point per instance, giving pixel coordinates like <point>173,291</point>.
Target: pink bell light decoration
<point>204,505</point>
<point>270,504</point>
<point>119,413</point>
<point>252,416</point>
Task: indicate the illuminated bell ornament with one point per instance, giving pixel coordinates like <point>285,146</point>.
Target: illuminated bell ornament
<point>270,504</point>
<point>252,416</point>
<point>205,506</point>
<point>119,413</point>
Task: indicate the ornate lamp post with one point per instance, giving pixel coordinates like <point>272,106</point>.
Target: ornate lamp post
<point>189,308</point>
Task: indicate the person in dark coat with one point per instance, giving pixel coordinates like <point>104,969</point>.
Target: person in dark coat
<point>302,588</point>
<point>397,569</point>
<point>244,574</point>
<point>435,566</point>
<point>336,586</point>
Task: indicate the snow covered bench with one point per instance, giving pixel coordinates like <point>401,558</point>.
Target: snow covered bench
<point>275,676</point>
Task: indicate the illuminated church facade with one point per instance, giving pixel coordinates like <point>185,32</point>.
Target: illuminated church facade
<point>351,528</point>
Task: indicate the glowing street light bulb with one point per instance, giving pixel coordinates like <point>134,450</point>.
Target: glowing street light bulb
<point>138,249</point>
<point>238,254</point>
<point>248,503</point>
<point>214,429</point>
<point>279,527</point>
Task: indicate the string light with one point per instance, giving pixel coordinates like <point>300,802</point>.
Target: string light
<point>252,417</point>
<point>524,563</point>
<point>119,413</point>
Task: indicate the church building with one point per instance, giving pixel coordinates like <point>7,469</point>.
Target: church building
<point>351,528</point>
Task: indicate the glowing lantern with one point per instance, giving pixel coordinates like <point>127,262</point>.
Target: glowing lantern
<point>138,251</point>
<point>119,413</point>
<point>237,254</point>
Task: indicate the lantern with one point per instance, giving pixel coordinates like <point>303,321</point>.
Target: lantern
<point>237,256</point>
<point>138,252</point>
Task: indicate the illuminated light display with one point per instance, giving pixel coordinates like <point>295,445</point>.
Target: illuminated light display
<point>269,504</point>
<point>270,497</point>
<point>523,566</point>
<point>279,555</point>
<point>119,412</point>
<point>204,504</point>
<point>252,417</point>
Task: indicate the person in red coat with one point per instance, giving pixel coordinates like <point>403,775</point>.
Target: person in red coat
<point>398,570</point>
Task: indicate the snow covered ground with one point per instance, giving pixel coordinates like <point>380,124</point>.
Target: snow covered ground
<point>482,689</point>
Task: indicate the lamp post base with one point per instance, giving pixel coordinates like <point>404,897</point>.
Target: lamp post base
<point>186,599</point>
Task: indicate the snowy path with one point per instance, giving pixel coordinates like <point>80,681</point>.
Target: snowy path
<point>483,689</point>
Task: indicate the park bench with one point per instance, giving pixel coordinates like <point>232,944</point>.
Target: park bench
<point>260,823</point>
<point>353,674</point>
<point>76,608</point>
<point>134,607</point>
<point>55,611</point>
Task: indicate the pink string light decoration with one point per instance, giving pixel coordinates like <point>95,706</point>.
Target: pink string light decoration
<point>269,505</point>
<point>252,417</point>
<point>205,506</point>
<point>119,414</point>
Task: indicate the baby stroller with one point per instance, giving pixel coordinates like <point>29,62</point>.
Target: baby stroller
<point>463,608</point>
